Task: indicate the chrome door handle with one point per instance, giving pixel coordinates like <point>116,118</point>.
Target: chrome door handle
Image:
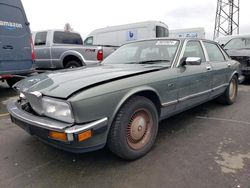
<point>208,68</point>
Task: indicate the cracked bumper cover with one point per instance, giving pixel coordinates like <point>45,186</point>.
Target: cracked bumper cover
<point>40,127</point>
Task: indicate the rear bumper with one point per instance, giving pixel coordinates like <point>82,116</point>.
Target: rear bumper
<point>41,126</point>
<point>16,73</point>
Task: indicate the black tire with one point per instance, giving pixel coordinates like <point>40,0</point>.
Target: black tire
<point>230,95</point>
<point>12,81</point>
<point>72,64</point>
<point>134,130</point>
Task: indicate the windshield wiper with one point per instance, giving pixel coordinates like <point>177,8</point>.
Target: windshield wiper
<point>153,61</point>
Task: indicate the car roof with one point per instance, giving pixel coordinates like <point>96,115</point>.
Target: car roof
<point>172,38</point>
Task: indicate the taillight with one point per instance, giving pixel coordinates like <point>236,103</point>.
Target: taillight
<point>6,76</point>
<point>32,50</point>
<point>99,55</point>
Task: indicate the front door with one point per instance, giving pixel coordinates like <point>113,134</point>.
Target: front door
<point>194,80</point>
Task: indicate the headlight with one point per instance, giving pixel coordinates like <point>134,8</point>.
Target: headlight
<point>22,96</point>
<point>57,109</point>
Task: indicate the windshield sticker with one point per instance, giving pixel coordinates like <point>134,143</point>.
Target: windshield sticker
<point>166,43</point>
<point>11,25</point>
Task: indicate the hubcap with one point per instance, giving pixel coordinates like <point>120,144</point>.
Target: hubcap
<point>139,130</point>
<point>232,89</point>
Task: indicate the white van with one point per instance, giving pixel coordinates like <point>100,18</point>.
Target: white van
<point>119,35</point>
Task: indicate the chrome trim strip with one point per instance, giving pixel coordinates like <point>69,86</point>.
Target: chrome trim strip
<point>81,128</point>
<point>194,95</point>
<point>169,103</point>
<point>221,86</point>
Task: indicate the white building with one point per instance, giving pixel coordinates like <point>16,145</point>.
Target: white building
<point>198,32</point>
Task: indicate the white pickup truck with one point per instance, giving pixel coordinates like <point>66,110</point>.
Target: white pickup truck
<point>56,49</point>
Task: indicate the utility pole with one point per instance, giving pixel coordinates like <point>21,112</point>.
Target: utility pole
<point>227,18</point>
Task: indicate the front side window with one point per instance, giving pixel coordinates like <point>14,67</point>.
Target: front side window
<point>154,51</point>
<point>40,38</point>
<point>61,37</point>
<point>213,51</point>
<point>238,43</point>
<point>194,49</point>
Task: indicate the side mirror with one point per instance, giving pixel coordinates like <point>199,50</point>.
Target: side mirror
<point>191,61</point>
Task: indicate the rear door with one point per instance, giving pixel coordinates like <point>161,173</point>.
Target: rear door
<point>15,39</point>
<point>220,67</point>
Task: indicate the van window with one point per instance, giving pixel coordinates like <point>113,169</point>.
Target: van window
<point>88,41</point>
<point>161,32</point>
<point>61,37</point>
<point>40,38</point>
<point>12,21</point>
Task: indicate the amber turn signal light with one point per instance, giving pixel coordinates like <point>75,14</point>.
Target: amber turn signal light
<point>84,135</point>
<point>58,136</point>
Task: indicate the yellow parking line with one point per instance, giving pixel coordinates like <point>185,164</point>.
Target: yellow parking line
<point>3,115</point>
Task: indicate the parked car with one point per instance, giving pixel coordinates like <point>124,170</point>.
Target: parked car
<point>56,49</point>
<point>121,102</point>
<point>239,49</point>
<point>121,34</point>
<point>224,39</point>
<point>16,47</point>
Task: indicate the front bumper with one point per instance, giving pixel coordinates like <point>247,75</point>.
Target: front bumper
<point>41,126</point>
<point>245,71</point>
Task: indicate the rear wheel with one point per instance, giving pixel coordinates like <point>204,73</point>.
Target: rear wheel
<point>134,129</point>
<point>229,96</point>
<point>72,64</point>
<point>12,81</point>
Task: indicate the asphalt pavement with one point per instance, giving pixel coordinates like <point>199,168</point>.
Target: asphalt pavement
<point>208,146</point>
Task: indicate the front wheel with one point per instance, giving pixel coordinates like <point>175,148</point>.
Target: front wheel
<point>229,96</point>
<point>134,129</point>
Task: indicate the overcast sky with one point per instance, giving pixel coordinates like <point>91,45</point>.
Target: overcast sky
<point>85,16</point>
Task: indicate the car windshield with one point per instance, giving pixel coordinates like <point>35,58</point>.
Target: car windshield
<point>145,52</point>
<point>238,43</point>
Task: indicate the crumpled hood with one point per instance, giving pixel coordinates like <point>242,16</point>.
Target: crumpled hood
<point>239,52</point>
<point>62,84</point>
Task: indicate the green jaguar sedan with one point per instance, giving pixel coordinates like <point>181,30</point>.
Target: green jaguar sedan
<point>120,102</point>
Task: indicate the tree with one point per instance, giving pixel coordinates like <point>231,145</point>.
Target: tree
<point>67,27</point>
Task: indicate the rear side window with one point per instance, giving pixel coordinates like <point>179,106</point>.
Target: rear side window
<point>88,41</point>
<point>12,21</point>
<point>213,51</point>
<point>61,37</point>
<point>161,32</point>
<point>40,38</point>
<point>194,49</point>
